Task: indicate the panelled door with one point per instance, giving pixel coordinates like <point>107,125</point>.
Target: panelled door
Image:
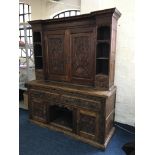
<point>82,56</point>
<point>70,55</point>
<point>87,124</point>
<point>56,56</point>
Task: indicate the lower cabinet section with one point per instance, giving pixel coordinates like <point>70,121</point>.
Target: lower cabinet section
<point>91,125</point>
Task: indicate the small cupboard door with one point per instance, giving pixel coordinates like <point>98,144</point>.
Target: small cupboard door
<point>56,56</point>
<point>37,105</point>
<point>39,110</point>
<point>82,57</point>
<point>88,124</point>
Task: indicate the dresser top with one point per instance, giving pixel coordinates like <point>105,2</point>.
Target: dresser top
<point>70,87</point>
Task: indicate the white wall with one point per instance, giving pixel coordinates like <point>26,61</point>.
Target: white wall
<point>36,8</point>
<point>44,9</point>
<point>124,69</point>
<point>52,9</point>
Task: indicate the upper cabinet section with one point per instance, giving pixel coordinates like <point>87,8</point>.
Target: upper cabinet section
<point>77,50</point>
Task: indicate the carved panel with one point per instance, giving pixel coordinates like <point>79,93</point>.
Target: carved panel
<point>81,102</point>
<point>87,123</point>
<point>65,100</point>
<point>37,94</point>
<point>39,110</point>
<point>70,93</point>
<point>56,55</point>
<point>101,81</point>
<point>81,56</point>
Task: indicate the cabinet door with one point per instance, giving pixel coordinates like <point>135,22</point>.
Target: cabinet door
<point>82,57</point>
<point>37,105</point>
<point>56,56</point>
<point>39,111</point>
<point>88,124</point>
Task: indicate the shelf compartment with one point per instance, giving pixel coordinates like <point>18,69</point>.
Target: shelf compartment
<point>102,66</point>
<point>36,36</point>
<point>61,116</point>
<point>103,33</point>
<point>103,41</point>
<point>38,62</point>
<point>103,50</point>
<point>102,58</point>
<point>37,50</point>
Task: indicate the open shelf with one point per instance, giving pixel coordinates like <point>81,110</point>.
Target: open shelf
<point>103,41</point>
<point>102,66</point>
<point>103,50</point>
<point>36,37</point>
<point>37,50</point>
<point>103,33</point>
<point>38,63</point>
<point>61,116</point>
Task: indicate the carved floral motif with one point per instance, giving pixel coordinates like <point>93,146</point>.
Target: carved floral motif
<point>81,62</point>
<point>56,55</point>
<point>87,123</point>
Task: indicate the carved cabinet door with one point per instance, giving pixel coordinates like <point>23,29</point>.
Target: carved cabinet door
<point>87,124</point>
<point>82,57</point>
<point>56,56</point>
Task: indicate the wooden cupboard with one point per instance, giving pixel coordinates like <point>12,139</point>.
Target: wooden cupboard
<point>74,89</point>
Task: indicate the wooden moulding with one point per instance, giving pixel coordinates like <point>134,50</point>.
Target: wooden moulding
<point>77,137</point>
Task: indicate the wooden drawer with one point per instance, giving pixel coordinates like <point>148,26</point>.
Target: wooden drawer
<point>81,102</point>
<point>55,98</point>
<point>46,96</point>
<point>34,94</point>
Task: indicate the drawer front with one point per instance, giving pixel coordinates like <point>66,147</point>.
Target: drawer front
<point>88,124</point>
<point>55,98</point>
<point>34,94</point>
<point>44,96</point>
<point>81,102</point>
